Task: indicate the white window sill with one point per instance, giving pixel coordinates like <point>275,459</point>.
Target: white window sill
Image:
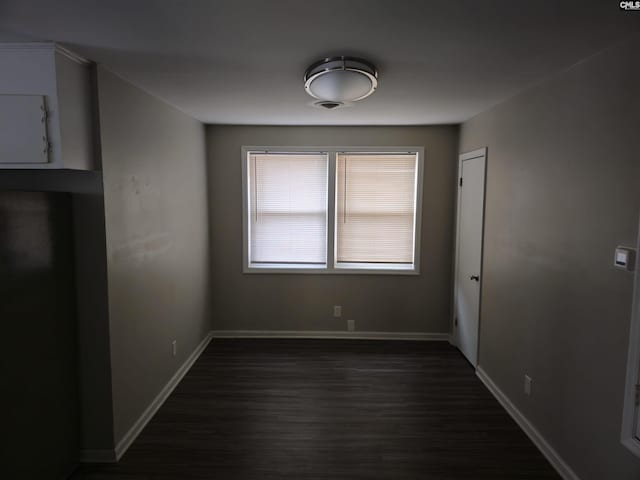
<point>342,269</point>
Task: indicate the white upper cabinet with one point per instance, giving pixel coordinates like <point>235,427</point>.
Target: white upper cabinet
<point>46,118</point>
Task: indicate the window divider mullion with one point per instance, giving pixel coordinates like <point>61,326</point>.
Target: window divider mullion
<point>331,210</point>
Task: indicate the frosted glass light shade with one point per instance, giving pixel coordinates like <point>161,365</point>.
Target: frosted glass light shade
<point>340,86</point>
<point>341,79</point>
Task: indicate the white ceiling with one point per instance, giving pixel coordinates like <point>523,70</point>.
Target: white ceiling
<point>242,62</point>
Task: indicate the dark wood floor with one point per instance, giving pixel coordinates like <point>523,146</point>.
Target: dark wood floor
<point>329,409</point>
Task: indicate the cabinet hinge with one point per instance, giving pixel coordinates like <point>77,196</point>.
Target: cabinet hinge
<point>460,181</point>
<point>46,149</point>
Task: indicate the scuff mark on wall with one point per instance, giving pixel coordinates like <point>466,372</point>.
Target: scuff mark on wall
<point>143,249</point>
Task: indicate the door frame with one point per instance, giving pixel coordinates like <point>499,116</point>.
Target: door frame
<point>478,153</point>
<point>630,437</point>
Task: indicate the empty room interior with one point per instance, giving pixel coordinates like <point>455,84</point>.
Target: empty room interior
<point>342,240</point>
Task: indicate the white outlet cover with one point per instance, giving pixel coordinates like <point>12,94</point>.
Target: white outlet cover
<point>351,325</point>
<point>337,311</point>
<point>624,258</point>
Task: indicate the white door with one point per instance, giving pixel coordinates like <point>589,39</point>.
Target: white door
<point>637,430</point>
<point>468,278</point>
<point>631,412</point>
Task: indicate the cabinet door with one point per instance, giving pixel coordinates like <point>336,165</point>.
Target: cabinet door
<point>23,129</point>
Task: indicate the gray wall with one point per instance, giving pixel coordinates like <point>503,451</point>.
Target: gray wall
<point>154,174</point>
<point>93,320</point>
<point>304,302</point>
<point>562,192</point>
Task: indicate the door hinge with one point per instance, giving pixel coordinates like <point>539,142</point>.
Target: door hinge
<point>637,400</point>
<point>45,114</point>
<point>460,181</point>
<point>455,321</point>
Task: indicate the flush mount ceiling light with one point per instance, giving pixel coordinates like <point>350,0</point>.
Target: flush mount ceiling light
<point>338,80</point>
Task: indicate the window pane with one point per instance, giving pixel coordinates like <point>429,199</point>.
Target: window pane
<point>287,208</point>
<point>375,208</point>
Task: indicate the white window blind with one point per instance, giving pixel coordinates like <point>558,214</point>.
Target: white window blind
<point>287,208</point>
<point>375,208</point>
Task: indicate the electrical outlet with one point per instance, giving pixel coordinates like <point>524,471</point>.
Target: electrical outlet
<point>337,311</point>
<point>527,385</point>
<point>174,348</point>
<point>351,325</point>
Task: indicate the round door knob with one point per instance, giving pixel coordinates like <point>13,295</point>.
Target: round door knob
<point>475,277</point>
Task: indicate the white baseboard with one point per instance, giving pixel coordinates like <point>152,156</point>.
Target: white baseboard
<point>536,437</point>
<point>134,431</point>
<point>440,337</point>
<point>111,456</point>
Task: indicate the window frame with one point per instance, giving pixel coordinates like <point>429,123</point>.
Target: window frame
<point>330,267</point>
